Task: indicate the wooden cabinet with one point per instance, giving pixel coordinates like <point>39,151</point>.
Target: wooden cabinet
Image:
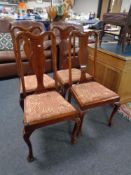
<point>113,71</point>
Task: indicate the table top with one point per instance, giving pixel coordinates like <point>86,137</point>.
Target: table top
<point>83,21</point>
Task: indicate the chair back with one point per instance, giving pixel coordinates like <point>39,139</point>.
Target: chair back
<point>129,21</point>
<point>33,46</point>
<point>63,33</point>
<point>82,40</point>
<point>32,26</point>
<point>16,27</point>
<point>63,24</point>
<point>28,24</point>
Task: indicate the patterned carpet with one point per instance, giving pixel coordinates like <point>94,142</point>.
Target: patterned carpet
<point>101,150</point>
<point>125,110</point>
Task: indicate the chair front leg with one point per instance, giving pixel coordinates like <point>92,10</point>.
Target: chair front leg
<point>26,135</point>
<point>21,100</point>
<point>64,90</point>
<point>116,107</point>
<point>75,130</point>
<point>81,122</point>
<point>69,95</point>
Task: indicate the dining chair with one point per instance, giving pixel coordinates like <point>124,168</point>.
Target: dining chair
<point>30,79</point>
<point>126,35</point>
<point>89,94</point>
<point>63,73</point>
<point>123,20</point>
<point>43,107</point>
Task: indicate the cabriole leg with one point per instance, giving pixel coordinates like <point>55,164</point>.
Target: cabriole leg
<point>26,135</point>
<point>81,123</point>
<point>75,130</point>
<point>116,107</point>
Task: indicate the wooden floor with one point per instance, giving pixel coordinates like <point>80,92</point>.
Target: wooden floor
<point>113,71</point>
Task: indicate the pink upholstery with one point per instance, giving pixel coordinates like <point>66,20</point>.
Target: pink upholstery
<point>31,83</point>
<point>63,76</point>
<point>47,106</point>
<point>92,93</point>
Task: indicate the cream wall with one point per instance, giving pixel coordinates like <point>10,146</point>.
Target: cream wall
<point>125,5</point>
<point>32,4</point>
<point>85,6</point>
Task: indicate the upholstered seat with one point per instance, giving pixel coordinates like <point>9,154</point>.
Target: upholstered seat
<point>31,83</point>
<point>92,94</point>
<point>63,76</point>
<point>49,106</point>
